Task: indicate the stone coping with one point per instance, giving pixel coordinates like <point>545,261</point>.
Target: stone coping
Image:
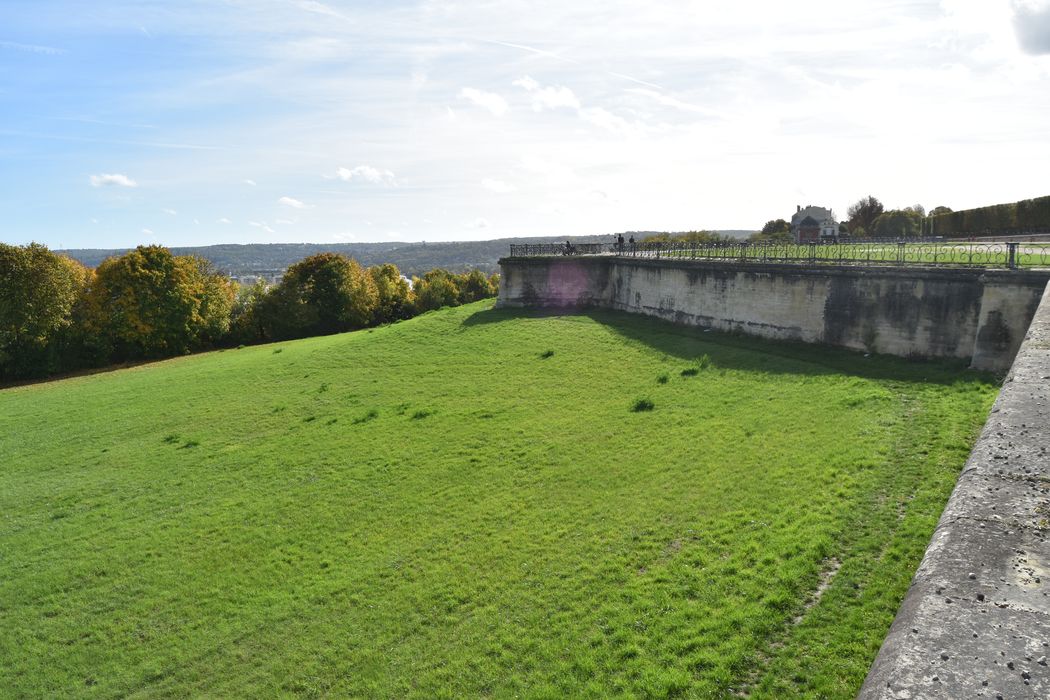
<point>1029,276</point>
<point>976,619</point>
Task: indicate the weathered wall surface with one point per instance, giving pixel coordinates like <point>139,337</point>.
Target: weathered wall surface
<point>976,620</point>
<point>911,312</point>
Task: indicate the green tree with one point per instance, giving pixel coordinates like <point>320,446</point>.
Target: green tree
<point>246,314</point>
<point>773,230</point>
<point>862,215</point>
<point>435,289</point>
<point>474,286</point>
<point>393,294</point>
<point>898,223</point>
<point>216,294</point>
<point>321,294</point>
<point>149,303</point>
<point>38,291</point>
<point>684,237</point>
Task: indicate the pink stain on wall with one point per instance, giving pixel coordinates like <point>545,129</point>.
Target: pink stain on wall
<point>566,282</point>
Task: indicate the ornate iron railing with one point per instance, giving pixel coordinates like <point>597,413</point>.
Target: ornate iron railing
<point>533,249</point>
<point>935,252</point>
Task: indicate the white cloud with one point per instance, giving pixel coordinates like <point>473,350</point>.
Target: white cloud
<point>224,220</point>
<point>112,180</point>
<point>261,224</point>
<point>32,48</point>
<point>291,202</point>
<point>196,222</point>
<point>367,173</point>
<point>489,100</point>
<point>497,186</point>
<point>605,119</point>
<point>559,96</point>
<point>148,232</point>
<point>320,8</point>
<point>551,97</point>
<point>285,222</point>
<point>253,183</point>
<point>480,222</point>
<point>170,212</point>
<point>94,221</point>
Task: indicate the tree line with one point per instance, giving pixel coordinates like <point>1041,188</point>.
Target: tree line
<point>866,218</point>
<point>1025,216</point>
<point>57,315</point>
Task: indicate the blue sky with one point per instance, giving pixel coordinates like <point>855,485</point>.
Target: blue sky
<point>191,122</point>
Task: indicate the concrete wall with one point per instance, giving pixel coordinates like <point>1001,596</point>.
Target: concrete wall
<point>976,620</point>
<point>911,312</point>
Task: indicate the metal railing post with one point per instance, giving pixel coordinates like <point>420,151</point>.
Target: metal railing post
<point>1011,257</point>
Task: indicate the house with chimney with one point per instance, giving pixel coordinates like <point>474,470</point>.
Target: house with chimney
<point>812,224</point>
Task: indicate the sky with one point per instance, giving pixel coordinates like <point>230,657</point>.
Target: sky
<point>262,121</point>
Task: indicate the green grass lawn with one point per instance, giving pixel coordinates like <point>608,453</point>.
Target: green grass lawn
<point>466,504</point>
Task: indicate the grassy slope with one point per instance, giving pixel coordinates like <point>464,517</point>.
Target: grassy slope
<point>433,509</point>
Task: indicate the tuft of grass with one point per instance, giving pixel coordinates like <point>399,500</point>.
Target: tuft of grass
<point>699,365</point>
<point>640,405</point>
<point>371,415</point>
<point>662,378</point>
<point>546,353</point>
<point>276,351</point>
<point>171,438</point>
<point>625,550</point>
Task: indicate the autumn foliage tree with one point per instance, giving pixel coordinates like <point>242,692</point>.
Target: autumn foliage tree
<point>57,315</point>
<point>38,292</point>
<point>322,294</point>
<point>475,286</point>
<point>393,294</point>
<point>436,289</point>
<point>150,303</point>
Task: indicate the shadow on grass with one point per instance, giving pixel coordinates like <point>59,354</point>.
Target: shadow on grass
<point>743,352</point>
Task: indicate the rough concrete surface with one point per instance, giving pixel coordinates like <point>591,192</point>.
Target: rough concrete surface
<point>976,621</point>
<point>912,311</point>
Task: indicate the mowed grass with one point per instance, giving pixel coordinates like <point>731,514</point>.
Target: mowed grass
<point>472,504</point>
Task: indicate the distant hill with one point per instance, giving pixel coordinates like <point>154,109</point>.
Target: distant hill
<point>410,258</point>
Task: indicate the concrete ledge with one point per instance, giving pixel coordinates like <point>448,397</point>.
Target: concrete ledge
<point>976,620</point>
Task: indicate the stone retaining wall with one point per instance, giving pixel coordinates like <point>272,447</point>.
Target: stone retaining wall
<point>980,315</point>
